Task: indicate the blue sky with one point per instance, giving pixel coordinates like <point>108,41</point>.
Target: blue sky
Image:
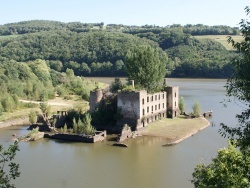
<point>128,12</point>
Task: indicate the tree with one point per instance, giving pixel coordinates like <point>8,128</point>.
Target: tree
<point>32,117</point>
<point>182,105</point>
<point>116,85</point>
<point>146,67</point>
<point>6,159</point>
<point>238,86</point>
<point>46,109</point>
<point>229,169</point>
<point>196,108</point>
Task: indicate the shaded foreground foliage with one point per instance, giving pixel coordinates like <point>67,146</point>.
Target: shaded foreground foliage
<point>9,170</point>
<point>231,167</point>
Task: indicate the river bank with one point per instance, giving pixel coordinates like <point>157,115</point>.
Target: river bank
<point>176,130</point>
<point>16,121</point>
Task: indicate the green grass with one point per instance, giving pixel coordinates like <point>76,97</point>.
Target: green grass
<point>221,39</point>
<point>9,36</point>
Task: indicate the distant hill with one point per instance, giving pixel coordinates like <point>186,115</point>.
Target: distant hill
<point>95,49</point>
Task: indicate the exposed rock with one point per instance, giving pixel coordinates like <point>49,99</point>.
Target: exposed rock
<point>126,133</point>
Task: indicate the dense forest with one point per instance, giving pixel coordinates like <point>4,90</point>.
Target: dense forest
<point>94,49</point>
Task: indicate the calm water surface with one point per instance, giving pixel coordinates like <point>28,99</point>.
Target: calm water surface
<point>145,163</point>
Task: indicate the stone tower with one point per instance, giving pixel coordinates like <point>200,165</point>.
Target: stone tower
<point>95,98</point>
<point>172,101</point>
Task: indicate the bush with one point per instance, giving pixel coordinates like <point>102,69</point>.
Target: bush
<point>33,117</point>
<point>196,109</point>
<point>116,85</point>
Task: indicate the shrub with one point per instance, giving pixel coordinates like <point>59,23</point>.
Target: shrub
<point>196,108</point>
<point>32,117</point>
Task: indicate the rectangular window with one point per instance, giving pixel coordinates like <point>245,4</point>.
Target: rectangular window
<point>142,101</point>
<point>163,95</point>
<point>143,112</point>
<point>155,107</point>
<point>174,94</point>
<point>152,108</point>
<point>159,96</point>
<point>162,105</point>
<point>152,98</point>
<point>147,99</point>
<point>155,97</point>
<point>159,106</point>
<point>148,109</point>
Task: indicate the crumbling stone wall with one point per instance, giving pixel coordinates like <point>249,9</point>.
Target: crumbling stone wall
<point>140,108</point>
<point>95,98</point>
<point>172,101</point>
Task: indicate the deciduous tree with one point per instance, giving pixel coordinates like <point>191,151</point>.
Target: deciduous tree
<point>146,67</point>
<point>182,105</point>
<point>238,86</point>
<point>196,108</point>
<point>9,170</point>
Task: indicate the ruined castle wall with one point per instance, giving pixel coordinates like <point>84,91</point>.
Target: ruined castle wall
<point>95,98</point>
<point>140,108</point>
<point>129,104</point>
<point>172,101</point>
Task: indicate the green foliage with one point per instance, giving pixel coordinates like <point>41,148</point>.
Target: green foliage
<point>238,87</point>
<point>32,134</point>
<point>83,126</point>
<point>116,85</point>
<point>182,105</point>
<point>128,88</point>
<point>46,109</point>
<point>107,112</point>
<point>8,103</point>
<point>196,108</point>
<point>1,109</point>
<point>146,67</point>
<point>33,117</point>
<point>229,169</point>
<point>101,52</point>
<point>9,170</point>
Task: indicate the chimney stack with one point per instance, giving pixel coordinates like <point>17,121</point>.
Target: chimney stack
<point>132,82</point>
<point>165,82</point>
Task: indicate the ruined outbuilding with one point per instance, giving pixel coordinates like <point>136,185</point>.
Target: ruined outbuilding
<point>139,108</point>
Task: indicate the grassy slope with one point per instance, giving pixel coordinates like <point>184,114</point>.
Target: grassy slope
<point>222,39</point>
<point>177,129</point>
<point>9,36</point>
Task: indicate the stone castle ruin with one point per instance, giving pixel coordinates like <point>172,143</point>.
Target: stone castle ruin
<point>139,108</point>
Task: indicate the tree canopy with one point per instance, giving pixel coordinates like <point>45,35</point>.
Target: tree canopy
<point>238,86</point>
<point>146,67</point>
<point>90,49</point>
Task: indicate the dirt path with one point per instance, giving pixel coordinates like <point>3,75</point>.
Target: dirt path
<point>52,103</point>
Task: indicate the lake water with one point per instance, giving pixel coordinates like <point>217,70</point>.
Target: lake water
<point>145,163</point>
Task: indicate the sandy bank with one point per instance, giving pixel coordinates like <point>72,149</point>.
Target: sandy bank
<point>176,130</point>
<point>16,121</point>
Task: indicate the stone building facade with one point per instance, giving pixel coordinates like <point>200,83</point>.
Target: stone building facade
<point>140,108</point>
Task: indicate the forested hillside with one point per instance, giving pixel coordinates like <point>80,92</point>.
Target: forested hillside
<point>98,50</point>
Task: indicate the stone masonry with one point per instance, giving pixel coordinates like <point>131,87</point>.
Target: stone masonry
<point>140,108</point>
